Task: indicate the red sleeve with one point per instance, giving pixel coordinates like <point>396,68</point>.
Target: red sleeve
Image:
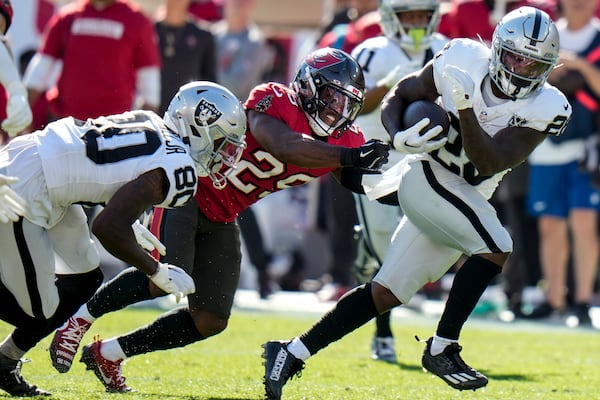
<point>7,11</point>
<point>278,101</point>
<point>146,49</point>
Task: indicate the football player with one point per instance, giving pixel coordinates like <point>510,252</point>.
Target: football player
<point>502,108</point>
<point>410,41</point>
<point>295,134</point>
<point>127,163</point>
<point>18,112</point>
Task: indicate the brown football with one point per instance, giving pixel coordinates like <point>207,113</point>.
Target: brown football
<point>420,109</point>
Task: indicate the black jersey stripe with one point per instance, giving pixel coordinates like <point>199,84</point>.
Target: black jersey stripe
<point>28,270</point>
<point>460,206</point>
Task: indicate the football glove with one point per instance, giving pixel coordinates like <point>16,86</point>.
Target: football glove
<point>146,239</point>
<point>462,86</point>
<point>12,206</point>
<point>173,280</point>
<point>369,157</point>
<point>17,110</point>
<point>412,141</point>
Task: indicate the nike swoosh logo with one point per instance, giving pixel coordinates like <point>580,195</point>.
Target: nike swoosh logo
<point>364,154</point>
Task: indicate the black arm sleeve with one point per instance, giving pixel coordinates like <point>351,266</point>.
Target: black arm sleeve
<point>389,199</point>
<point>351,179</point>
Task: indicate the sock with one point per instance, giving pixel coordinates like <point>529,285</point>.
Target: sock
<point>83,313</point>
<point>438,344</point>
<point>384,328</point>
<point>9,349</point>
<point>128,287</point>
<point>173,329</point>
<point>353,310</point>
<point>469,283</point>
<point>298,349</point>
<point>111,350</point>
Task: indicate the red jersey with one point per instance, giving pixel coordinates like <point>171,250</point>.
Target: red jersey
<point>259,173</point>
<point>7,11</point>
<point>471,18</point>
<point>101,52</point>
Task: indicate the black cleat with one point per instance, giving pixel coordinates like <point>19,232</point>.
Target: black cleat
<point>13,383</point>
<point>451,368</point>
<point>280,366</point>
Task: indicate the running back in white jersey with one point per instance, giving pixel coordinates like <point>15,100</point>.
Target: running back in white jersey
<point>86,162</point>
<point>547,110</point>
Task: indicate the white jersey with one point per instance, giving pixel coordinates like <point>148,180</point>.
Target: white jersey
<point>546,110</point>
<point>86,162</point>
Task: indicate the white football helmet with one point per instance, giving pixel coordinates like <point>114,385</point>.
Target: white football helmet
<point>412,38</point>
<point>525,49</point>
<point>212,122</point>
<point>330,86</point>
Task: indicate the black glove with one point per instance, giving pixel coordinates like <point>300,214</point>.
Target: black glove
<point>369,157</point>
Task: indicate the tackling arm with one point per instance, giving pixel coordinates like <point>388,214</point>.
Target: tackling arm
<point>112,226</point>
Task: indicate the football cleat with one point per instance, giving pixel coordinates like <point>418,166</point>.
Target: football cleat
<point>450,367</point>
<point>382,349</point>
<point>108,372</point>
<point>280,366</point>
<point>13,383</point>
<point>66,342</point>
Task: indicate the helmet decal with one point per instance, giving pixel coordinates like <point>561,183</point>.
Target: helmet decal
<point>206,113</point>
<point>319,59</point>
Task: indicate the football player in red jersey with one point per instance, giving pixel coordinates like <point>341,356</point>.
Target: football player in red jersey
<point>295,134</point>
<point>18,112</point>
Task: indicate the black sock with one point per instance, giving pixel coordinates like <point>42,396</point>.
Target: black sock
<point>173,329</point>
<point>353,310</point>
<point>469,283</point>
<point>73,291</point>
<point>383,325</point>
<point>129,287</point>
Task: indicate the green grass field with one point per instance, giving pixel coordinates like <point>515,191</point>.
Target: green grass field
<point>521,363</point>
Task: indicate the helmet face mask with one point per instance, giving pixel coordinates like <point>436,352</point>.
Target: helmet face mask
<point>330,87</point>
<point>410,22</point>
<point>525,49</point>
<point>212,122</point>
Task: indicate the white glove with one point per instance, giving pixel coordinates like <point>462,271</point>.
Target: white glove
<point>173,280</point>
<point>146,239</point>
<point>12,206</point>
<point>462,86</point>
<point>411,140</point>
<point>17,110</point>
<point>397,73</point>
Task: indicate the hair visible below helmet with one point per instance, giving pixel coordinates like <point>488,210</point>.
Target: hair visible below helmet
<point>525,49</point>
<point>330,86</point>
<point>211,121</point>
<point>409,38</point>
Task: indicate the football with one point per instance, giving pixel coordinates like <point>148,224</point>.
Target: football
<point>420,109</point>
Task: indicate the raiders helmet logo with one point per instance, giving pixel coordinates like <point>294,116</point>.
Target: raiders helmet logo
<point>206,113</point>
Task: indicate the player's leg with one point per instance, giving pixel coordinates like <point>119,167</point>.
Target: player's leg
<point>465,220</point>
<point>27,294</point>
<point>216,275</point>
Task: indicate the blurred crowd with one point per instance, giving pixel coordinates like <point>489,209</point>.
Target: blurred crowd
<point>307,238</point>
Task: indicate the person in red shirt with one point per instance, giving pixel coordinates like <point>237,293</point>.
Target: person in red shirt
<point>295,134</point>
<point>109,54</point>
<point>476,19</point>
